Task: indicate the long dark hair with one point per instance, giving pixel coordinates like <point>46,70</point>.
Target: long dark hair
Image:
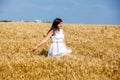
<point>54,26</point>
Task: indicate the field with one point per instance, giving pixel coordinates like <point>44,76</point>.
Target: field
<point>95,52</point>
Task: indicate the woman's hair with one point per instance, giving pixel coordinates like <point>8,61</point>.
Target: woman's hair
<point>54,26</point>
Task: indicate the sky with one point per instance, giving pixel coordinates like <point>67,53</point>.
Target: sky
<point>70,11</point>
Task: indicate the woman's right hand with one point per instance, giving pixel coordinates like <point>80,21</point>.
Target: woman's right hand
<point>33,50</point>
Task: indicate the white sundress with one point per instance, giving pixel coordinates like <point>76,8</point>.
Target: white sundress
<point>57,48</point>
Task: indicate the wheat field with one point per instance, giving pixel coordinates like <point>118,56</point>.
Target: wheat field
<point>95,52</point>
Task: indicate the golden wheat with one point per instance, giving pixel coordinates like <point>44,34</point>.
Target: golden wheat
<point>95,56</point>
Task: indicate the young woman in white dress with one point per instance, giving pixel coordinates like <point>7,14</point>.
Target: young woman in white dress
<point>58,47</point>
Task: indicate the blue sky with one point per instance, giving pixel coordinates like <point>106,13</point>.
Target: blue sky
<point>71,11</point>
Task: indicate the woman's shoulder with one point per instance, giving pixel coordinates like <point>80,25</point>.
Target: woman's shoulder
<point>50,32</point>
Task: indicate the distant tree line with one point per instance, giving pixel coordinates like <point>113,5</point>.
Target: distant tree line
<point>47,22</point>
<point>5,21</point>
<point>25,21</point>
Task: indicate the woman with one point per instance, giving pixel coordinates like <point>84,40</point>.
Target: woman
<point>58,47</point>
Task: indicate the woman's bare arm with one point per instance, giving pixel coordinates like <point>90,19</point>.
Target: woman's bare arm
<point>44,40</point>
